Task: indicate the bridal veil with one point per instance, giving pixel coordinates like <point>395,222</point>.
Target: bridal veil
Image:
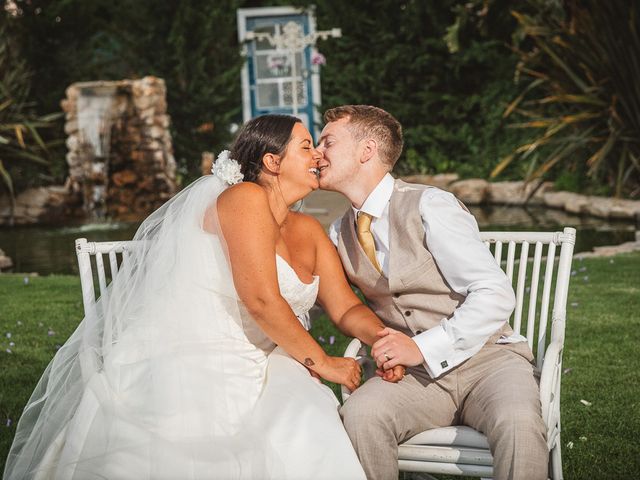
<point>128,394</point>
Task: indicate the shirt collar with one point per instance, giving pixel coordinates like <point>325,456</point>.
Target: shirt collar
<point>377,200</point>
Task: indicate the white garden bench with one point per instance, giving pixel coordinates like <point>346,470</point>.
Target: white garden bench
<point>461,450</point>
<point>456,450</point>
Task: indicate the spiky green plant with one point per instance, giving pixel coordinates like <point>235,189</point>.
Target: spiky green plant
<point>581,62</point>
<point>20,140</point>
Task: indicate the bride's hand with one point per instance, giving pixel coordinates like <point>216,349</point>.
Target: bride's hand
<point>345,371</point>
<point>393,375</point>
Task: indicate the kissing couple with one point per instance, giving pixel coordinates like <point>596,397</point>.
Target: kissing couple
<point>198,363</point>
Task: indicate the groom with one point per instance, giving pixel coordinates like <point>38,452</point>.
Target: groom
<point>415,253</point>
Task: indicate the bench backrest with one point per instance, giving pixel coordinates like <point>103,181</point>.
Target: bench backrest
<point>536,286</point>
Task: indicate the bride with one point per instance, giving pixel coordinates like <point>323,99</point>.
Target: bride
<point>198,363</point>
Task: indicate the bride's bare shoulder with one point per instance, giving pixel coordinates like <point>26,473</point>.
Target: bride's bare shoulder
<point>245,197</point>
<point>306,222</point>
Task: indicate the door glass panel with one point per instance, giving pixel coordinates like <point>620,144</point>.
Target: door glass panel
<point>286,93</point>
<point>264,44</point>
<point>273,65</point>
<point>268,95</point>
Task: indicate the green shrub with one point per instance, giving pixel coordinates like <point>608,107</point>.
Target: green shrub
<point>579,68</point>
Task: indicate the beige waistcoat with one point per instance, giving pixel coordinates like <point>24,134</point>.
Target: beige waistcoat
<point>415,297</point>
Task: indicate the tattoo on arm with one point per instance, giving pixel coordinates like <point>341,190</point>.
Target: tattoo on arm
<point>308,362</point>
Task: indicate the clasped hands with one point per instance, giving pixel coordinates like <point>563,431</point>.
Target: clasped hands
<point>393,352</point>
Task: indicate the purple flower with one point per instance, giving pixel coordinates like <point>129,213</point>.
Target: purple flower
<point>51,333</point>
<point>8,422</point>
<point>9,350</point>
<point>318,59</point>
<point>332,340</point>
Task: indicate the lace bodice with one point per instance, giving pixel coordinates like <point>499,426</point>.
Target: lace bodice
<point>299,295</point>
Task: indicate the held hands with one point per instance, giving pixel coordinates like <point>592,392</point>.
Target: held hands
<point>395,349</point>
<point>345,371</point>
<point>393,375</point>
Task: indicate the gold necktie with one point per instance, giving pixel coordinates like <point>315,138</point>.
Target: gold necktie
<point>365,238</point>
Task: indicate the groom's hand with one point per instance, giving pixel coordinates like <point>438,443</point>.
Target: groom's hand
<point>395,348</point>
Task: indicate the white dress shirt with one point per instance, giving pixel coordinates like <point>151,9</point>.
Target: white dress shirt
<point>467,266</point>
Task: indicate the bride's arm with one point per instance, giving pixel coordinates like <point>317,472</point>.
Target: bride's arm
<point>336,297</point>
<point>251,232</point>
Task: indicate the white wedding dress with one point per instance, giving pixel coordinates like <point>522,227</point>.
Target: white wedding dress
<point>176,381</point>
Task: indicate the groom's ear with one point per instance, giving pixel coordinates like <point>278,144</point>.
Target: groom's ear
<point>271,163</point>
<point>369,150</point>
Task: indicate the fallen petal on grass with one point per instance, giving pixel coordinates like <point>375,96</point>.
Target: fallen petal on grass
<point>570,445</point>
<point>332,340</point>
<point>567,370</point>
<point>586,403</point>
<point>583,438</point>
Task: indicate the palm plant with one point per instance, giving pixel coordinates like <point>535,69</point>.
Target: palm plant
<point>582,93</point>
<point>20,140</point>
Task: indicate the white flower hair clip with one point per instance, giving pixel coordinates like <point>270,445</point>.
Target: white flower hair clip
<point>227,169</point>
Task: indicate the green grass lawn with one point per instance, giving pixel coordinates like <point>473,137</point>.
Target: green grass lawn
<point>601,358</point>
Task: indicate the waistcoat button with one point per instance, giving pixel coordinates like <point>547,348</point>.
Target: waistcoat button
<point>396,295</point>
<point>407,313</point>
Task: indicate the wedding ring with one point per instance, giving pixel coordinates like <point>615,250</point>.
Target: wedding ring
<point>386,356</point>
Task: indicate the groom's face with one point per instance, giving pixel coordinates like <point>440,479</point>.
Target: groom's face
<point>339,163</point>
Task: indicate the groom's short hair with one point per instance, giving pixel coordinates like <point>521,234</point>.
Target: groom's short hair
<point>368,121</point>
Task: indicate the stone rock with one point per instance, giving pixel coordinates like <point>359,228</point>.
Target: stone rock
<point>33,197</point>
<point>206,162</point>
<point>599,206</point>
<point>72,92</point>
<point>144,102</point>
<point>576,203</point>
<point>162,121</point>
<point>5,261</point>
<point>73,143</point>
<point>572,202</point>
<point>441,180</point>
<point>473,191</point>
<point>71,126</point>
<point>124,177</point>
<point>629,209</point>
<point>155,131</point>
<point>147,114</point>
<point>516,193</point>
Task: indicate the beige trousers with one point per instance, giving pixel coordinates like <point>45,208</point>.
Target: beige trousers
<point>494,392</point>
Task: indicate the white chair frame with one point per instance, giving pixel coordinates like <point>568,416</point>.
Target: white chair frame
<point>461,450</point>
<point>114,253</point>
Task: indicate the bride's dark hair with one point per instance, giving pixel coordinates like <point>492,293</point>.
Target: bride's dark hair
<point>259,136</point>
